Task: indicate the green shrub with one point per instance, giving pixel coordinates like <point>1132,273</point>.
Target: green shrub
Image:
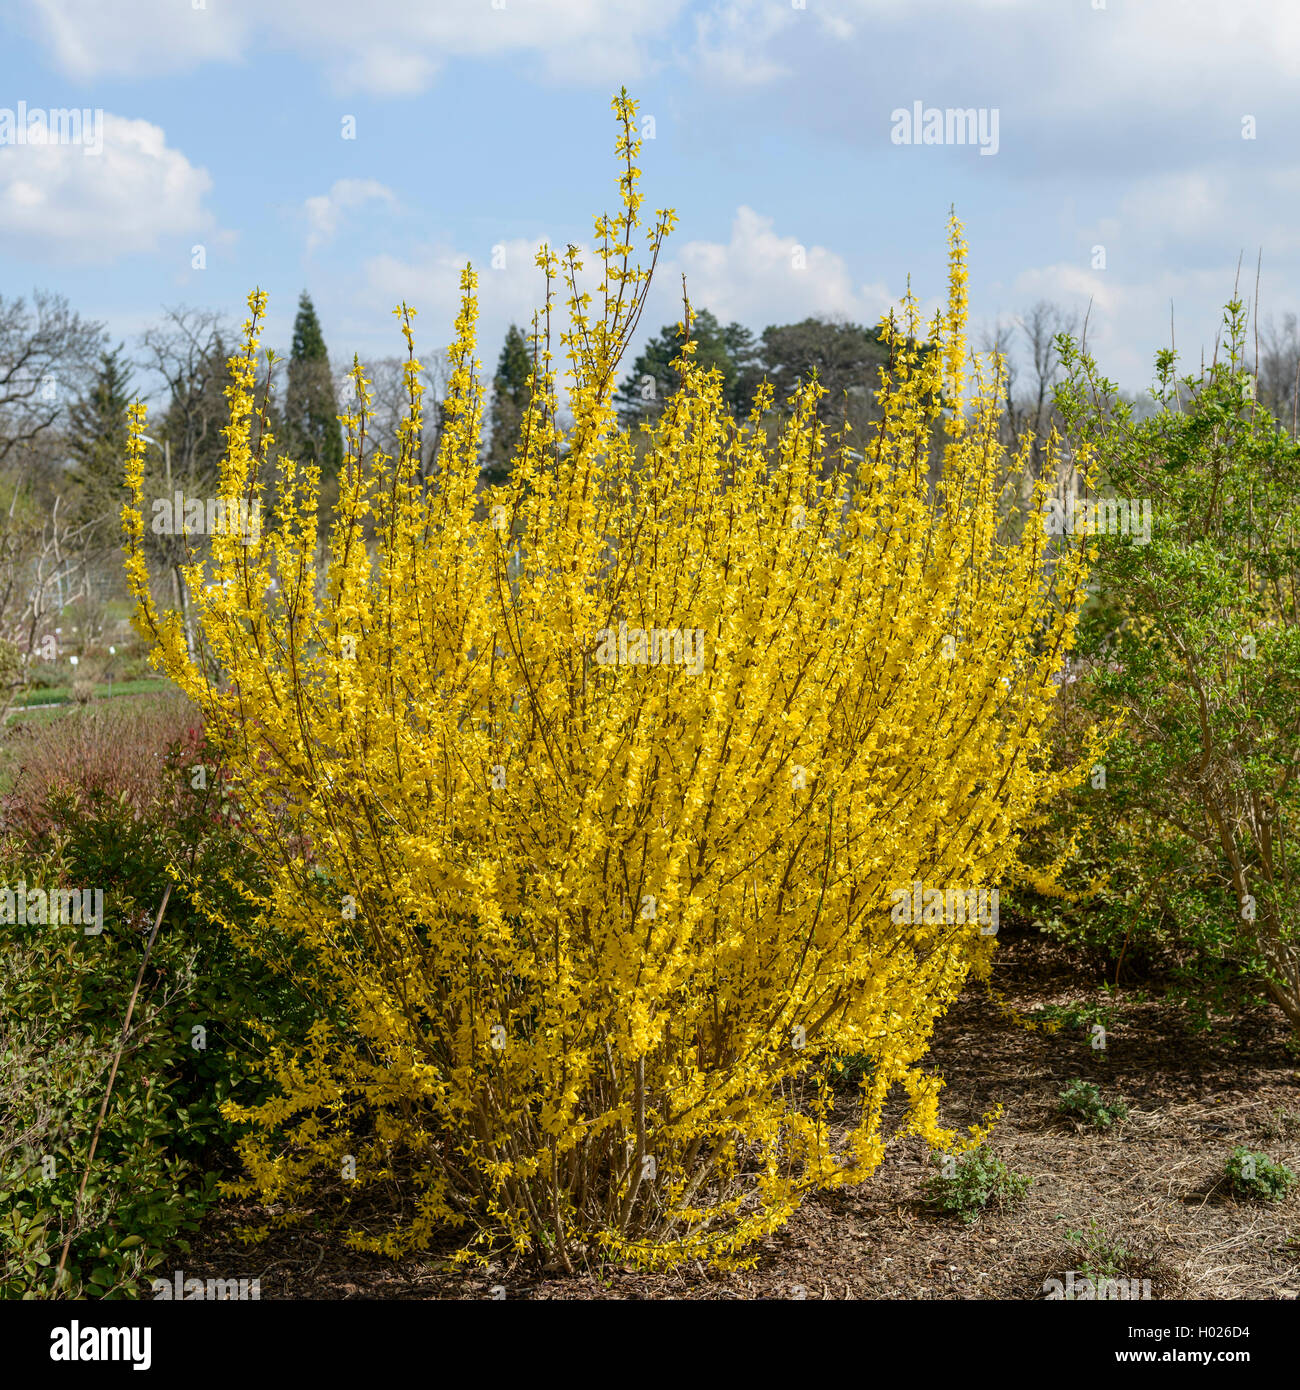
<point>1256,1177</point>
<point>1082,1101</point>
<point>967,1184</point>
<point>1188,857</point>
<point>46,675</point>
<point>202,1016</point>
<point>11,664</point>
<point>140,1199</point>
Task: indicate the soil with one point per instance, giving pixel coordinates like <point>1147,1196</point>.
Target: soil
<point>1150,1187</point>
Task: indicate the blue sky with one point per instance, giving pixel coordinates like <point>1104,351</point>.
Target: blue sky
<point>486,123</point>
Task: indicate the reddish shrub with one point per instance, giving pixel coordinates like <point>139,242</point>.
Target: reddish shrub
<point>104,750</point>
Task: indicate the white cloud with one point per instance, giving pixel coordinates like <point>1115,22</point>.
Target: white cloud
<point>751,278</point>
<point>392,46</point>
<point>1045,57</point>
<point>60,203</point>
<point>429,281</point>
<point>1070,286</point>
<point>1134,85</point>
<point>140,36</point>
<point>325,212</point>
<point>1186,204</point>
<point>1239,210</point>
<point>763,276</point>
<point>738,42</point>
<point>1138,50</point>
<point>733,41</point>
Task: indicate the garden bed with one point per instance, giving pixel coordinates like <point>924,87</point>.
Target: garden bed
<point>1152,1183</point>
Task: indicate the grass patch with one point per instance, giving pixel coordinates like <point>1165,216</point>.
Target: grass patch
<point>62,694</point>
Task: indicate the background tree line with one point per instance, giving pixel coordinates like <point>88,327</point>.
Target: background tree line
<point>65,389</point>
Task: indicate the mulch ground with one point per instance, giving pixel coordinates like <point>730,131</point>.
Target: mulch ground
<point>1152,1184</point>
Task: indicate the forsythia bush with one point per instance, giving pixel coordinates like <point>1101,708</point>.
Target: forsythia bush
<point>597,812</point>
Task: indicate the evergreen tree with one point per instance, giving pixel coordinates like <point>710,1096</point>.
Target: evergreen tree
<point>312,432</point>
<point>509,401</point>
<point>97,431</point>
<point>652,381</point>
<point>846,357</point>
<point>746,367</point>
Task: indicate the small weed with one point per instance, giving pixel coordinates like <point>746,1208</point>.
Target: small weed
<point>1100,1256</point>
<point>965,1185</point>
<point>1255,1177</point>
<point>1083,1102</point>
<point>847,1073</point>
<point>1076,1017</point>
<point>1281,1124</point>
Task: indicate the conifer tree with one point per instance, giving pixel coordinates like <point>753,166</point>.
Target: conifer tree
<point>653,378</point>
<point>97,433</point>
<point>312,433</point>
<point>509,402</point>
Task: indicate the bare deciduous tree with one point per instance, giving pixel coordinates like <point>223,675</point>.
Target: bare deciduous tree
<point>42,569</point>
<point>190,351</point>
<point>1040,326</point>
<point>390,403</point>
<point>47,355</point>
<point>1279,370</point>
